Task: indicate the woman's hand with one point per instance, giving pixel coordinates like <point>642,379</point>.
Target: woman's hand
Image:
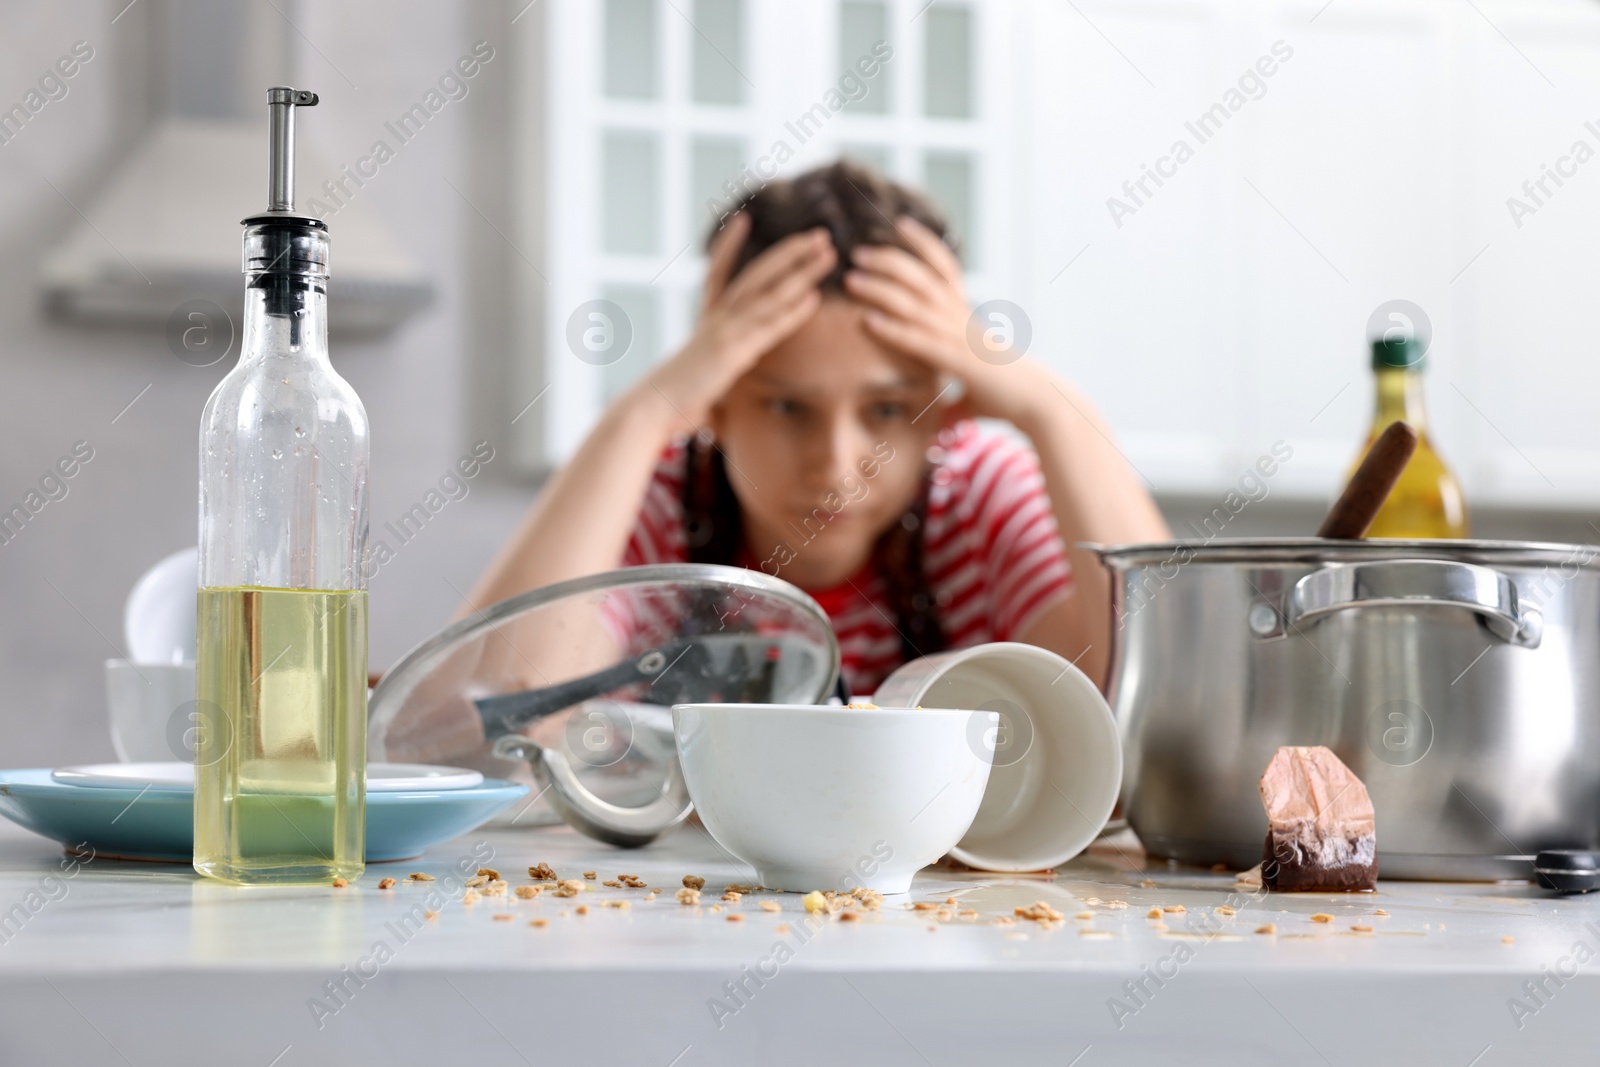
<point>743,319</point>
<point>916,306</point>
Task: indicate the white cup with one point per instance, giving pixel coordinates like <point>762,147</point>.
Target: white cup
<point>1057,757</point>
<point>152,710</point>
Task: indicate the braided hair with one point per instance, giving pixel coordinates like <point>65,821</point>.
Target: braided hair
<point>855,204</point>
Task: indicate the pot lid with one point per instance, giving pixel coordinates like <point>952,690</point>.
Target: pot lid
<point>589,668</point>
<point>1331,550</point>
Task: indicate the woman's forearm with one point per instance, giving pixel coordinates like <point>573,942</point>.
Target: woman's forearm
<point>581,520</point>
<point>1096,496</point>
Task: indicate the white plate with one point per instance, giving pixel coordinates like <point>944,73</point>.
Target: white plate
<point>174,776</point>
<point>158,621</point>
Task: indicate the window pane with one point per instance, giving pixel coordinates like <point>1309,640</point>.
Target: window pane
<point>947,66</point>
<point>715,181</point>
<point>642,305</point>
<point>630,222</point>
<point>875,156</point>
<point>718,51</point>
<point>630,48</point>
<point>949,179</point>
<point>862,24</point>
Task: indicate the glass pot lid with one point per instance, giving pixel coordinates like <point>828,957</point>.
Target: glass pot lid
<point>576,680</point>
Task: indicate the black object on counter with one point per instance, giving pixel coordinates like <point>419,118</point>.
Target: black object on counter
<point>1568,870</point>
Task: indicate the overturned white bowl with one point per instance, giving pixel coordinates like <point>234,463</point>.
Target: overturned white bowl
<point>834,798</point>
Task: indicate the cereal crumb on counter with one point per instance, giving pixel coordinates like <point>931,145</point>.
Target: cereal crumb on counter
<point>735,917</point>
<point>431,916</point>
<point>1039,912</point>
<point>861,705</point>
<point>538,924</point>
<point>1174,909</point>
<point>1084,915</point>
<point>502,916</point>
<point>542,872</point>
<point>771,905</point>
<point>1267,928</point>
<point>489,873</point>
<point>420,877</point>
<point>1223,909</point>
<point>715,908</point>
<point>814,902</point>
<point>694,881</point>
<point>1361,928</point>
<point>688,895</point>
<point>650,896</point>
<point>527,892</point>
<point>611,884</point>
<point>476,880</point>
<point>621,905</point>
<point>849,916</point>
<point>781,928</point>
<point>387,883</point>
<point>1322,917</point>
<point>1380,911</point>
<point>1091,901</point>
<point>1153,913</point>
<point>471,896</point>
<point>733,896</point>
<point>1147,884</point>
<point>1506,940</point>
<point>570,888</point>
<point>870,899</point>
<point>632,881</point>
<point>582,909</point>
<point>590,875</point>
<point>340,883</point>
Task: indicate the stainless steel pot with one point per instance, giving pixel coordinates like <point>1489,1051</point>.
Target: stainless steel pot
<point>1460,680</point>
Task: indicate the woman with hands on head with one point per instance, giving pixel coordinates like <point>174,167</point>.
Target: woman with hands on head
<point>812,427</point>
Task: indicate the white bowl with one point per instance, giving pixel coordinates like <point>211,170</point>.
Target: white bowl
<point>831,797</point>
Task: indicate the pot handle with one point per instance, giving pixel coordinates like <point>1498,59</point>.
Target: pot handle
<point>1479,589</point>
<point>600,819</point>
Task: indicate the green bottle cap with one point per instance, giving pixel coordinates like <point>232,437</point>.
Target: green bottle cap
<point>1403,352</point>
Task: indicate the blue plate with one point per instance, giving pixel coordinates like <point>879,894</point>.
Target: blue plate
<point>159,824</point>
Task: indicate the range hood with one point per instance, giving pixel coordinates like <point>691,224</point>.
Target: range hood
<point>164,228</point>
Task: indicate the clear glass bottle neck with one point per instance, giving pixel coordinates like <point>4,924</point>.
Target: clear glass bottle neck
<point>285,317</point>
<point>1399,396</point>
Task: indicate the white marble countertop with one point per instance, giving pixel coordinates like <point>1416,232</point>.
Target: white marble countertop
<point>116,962</point>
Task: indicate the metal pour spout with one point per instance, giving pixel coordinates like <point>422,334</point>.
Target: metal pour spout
<point>281,102</point>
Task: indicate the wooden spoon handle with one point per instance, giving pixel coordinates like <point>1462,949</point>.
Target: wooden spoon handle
<point>1369,487</point>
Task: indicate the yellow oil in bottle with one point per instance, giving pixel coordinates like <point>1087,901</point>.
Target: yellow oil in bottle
<point>1426,501</point>
<point>280,688</point>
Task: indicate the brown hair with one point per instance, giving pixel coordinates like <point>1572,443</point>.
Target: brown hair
<point>857,205</point>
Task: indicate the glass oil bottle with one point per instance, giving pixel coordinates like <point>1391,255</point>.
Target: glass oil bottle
<point>281,661</point>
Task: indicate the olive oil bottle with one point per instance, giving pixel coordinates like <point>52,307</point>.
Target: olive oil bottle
<point>1426,501</point>
<point>281,656</point>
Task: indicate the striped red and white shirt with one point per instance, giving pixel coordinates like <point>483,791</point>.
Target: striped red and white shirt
<point>994,557</point>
